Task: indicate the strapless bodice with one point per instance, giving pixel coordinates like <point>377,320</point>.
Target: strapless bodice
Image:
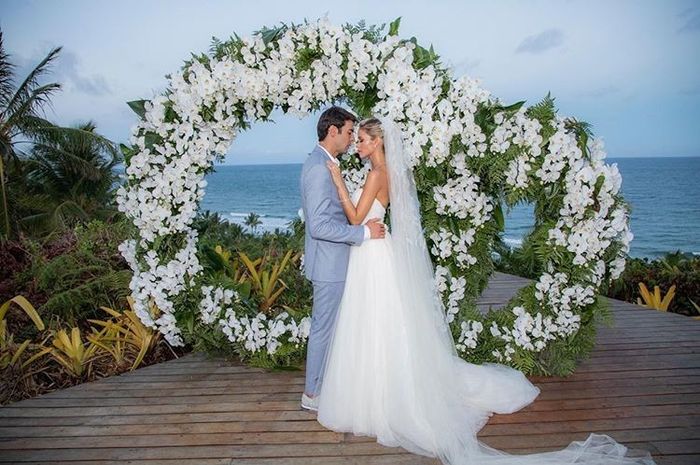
<point>377,210</point>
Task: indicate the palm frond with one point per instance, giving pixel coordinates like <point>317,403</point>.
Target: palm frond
<point>85,131</point>
<point>19,108</point>
<point>54,217</point>
<point>30,90</point>
<point>6,75</point>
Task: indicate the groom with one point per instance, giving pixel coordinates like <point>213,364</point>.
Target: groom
<point>328,237</point>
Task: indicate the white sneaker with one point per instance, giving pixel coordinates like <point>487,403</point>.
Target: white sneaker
<point>309,403</point>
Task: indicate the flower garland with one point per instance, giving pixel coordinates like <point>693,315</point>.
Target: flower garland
<point>469,152</point>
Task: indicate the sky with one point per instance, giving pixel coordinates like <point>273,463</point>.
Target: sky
<point>630,68</point>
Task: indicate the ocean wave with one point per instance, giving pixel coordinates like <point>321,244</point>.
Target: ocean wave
<point>513,241</point>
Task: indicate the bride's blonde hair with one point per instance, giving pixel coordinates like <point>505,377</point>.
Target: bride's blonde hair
<point>373,127</point>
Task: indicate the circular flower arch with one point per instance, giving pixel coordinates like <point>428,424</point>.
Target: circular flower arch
<point>471,154</point>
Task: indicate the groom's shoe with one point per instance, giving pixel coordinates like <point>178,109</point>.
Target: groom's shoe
<point>309,403</point>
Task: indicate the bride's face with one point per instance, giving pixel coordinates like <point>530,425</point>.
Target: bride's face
<point>365,144</point>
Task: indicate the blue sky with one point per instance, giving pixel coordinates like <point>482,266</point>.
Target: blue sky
<point>630,68</point>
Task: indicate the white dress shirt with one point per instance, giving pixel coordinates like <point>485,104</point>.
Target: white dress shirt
<point>368,233</point>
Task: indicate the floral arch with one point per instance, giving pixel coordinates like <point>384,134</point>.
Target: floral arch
<point>471,154</point>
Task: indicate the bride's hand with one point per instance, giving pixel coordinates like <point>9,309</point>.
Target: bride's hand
<point>335,173</point>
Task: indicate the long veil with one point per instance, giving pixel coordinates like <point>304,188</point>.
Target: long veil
<point>438,407</point>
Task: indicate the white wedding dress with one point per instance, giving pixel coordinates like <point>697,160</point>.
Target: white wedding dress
<point>391,370</point>
<point>368,372</point>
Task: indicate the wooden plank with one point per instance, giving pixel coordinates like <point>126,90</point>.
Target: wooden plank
<point>275,405</point>
<point>313,425</point>
<point>198,461</point>
<point>18,411</point>
<point>180,439</point>
<point>587,426</point>
<point>178,392</point>
<point>197,451</point>
<point>293,394</point>
<point>628,412</point>
<point>163,428</point>
<point>402,459</point>
<point>616,375</point>
<point>176,384</point>
<point>397,459</point>
<point>54,402</point>
<point>156,419</point>
<point>561,440</point>
<point>575,385</point>
<point>684,459</point>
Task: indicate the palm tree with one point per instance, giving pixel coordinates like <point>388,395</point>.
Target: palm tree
<point>68,172</point>
<point>69,175</point>
<point>21,111</point>
<point>252,221</point>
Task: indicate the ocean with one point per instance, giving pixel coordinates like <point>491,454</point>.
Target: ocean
<point>664,194</point>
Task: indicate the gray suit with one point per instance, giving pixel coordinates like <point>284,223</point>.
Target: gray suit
<point>328,238</point>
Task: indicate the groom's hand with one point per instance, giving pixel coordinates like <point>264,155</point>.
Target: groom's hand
<point>376,229</point>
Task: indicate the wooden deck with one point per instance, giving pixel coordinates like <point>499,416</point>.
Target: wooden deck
<point>641,386</point>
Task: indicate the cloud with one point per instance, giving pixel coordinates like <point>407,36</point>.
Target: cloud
<point>68,66</point>
<point>65,70</point>
<point>538,43</point>
<point>691,18</point>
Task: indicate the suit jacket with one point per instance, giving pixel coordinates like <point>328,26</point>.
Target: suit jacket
<point>328,235</point>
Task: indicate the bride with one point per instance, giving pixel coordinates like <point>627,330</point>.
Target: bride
<point>392,371</point>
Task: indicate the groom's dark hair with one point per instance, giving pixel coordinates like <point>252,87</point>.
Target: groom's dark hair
<point>334,116</point>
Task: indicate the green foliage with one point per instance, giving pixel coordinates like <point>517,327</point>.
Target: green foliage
<point>674,268</point>
<point>394,27</point>
<point>373,33</point>
<point>69,176</point>
<point>139,107</point>
<point>271,34</point>
<point>222,268</point>
<point>363,101</point>
<point>422,57</point>
<point>50,177</point>
<point>306,56</point>
<point>87,276</point>
<point>230,48</point>
<point>21,118</point>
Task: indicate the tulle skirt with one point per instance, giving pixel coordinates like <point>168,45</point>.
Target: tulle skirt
<point>385,377</point>
<point>369,376</point>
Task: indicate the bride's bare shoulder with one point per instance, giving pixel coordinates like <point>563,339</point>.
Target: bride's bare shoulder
<point>379,174</point>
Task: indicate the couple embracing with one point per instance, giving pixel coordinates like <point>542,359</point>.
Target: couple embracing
<point>381,360</point>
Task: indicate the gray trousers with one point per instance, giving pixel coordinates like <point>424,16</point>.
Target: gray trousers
<point>323,316</point>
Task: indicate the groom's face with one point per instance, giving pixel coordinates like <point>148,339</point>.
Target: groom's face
<point>345,136</point>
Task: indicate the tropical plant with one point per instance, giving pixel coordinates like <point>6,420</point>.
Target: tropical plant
<point>697,309</point>
<point>86,275</point>
<point>111,341</point>
<point>264,275</point>
<point>10,352</point>
<point>64,167</point>
<point>232,267</point>
<point>72,353</point>
<point>21,116</point>
<point>70,176</point>
<point>125,332</point>
<point>655,300</point>
<point>678,269</point>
